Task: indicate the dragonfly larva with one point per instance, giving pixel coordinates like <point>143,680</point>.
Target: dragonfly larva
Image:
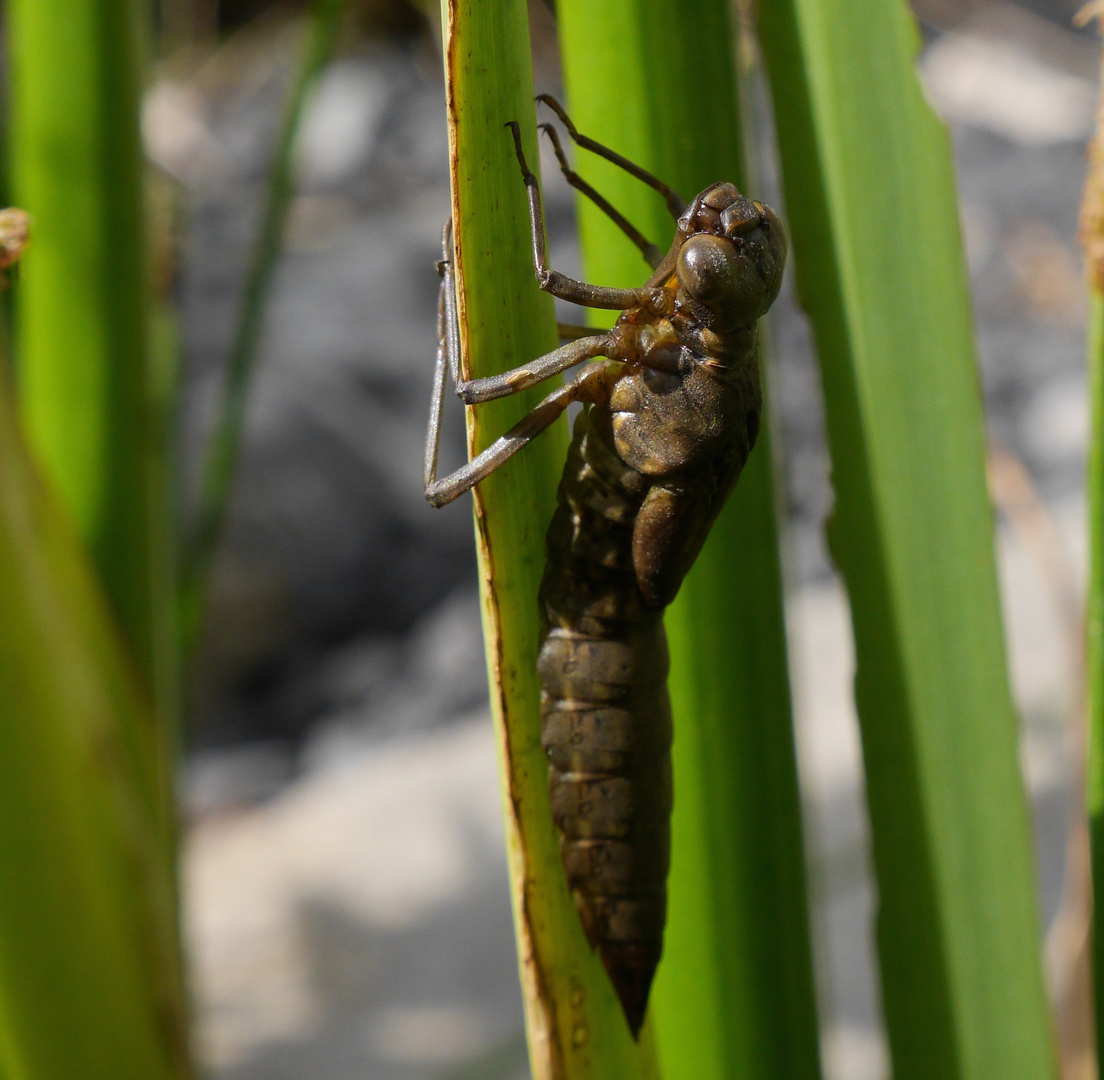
<point>669,417</point>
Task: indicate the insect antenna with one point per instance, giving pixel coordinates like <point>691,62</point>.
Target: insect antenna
<point>675,203</point>
<point>652,255</point>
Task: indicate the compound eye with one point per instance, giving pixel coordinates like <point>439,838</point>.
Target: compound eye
<point>708,267</point>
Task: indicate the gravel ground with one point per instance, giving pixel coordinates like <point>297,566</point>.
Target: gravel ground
<point>345,877</point>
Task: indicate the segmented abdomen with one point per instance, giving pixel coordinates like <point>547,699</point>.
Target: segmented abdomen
<point>606,716</point>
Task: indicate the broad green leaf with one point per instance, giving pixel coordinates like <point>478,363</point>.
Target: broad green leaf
<point>874,225</point>
<point>734,993</point>
<point>575,1026</point>
<point>89,982</point>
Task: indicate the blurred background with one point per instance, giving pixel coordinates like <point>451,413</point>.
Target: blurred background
<point>347,912</point>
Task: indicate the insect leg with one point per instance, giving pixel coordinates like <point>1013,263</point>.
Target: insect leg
<point>445,343</point>
<point>674,200</point>
<point>584,345</point>
<point>571,332</point>
<point>551,281</point>
<point>651,253</point>
<point>473,391</point>
<point>476,391</point>
<point>440,492</point>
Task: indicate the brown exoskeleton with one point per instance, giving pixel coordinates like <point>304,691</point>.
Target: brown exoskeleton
<point>669,417</point>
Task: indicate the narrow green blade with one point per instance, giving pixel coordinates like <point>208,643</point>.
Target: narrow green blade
<point>874,223</point>
<point>220,458</point>
<point>85,386</point>
<point>575,1026</point>
<point>1095,643</point>
<point>1092,240</point>
<point>89,984</point>
<point>734,993</point>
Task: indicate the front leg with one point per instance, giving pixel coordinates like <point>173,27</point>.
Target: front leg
<point>576,292</point>
<point>652,255</point>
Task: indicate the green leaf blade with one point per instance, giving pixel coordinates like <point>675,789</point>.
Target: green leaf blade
<point>575,1026</point>
<point>83,297</point>
<point>223,447</point>
<point>89,971</point>
<point>734,993</point>
<point>1094,653</point>
<point>86,388</point>
<point>874,222</point>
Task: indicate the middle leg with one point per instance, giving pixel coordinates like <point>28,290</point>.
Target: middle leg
<point>591,384</point>
<point>439,492</point>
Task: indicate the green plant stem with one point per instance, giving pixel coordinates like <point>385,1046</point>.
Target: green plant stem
<point>734,993</point>
<point>84,378</point>
<point>222,450</point>
<point>90,982</point>
<point>874,221</point>
<point>574,1021</point>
